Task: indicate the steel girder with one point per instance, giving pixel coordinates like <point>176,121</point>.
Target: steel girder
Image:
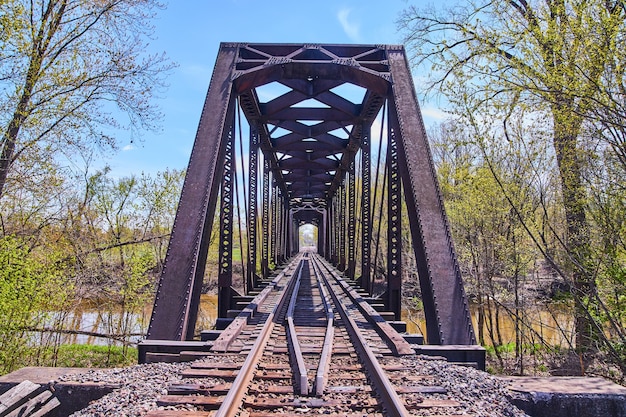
<point>273,227</point>
<point>309,136</point>
<point>343,218</point>
<point>265,219</point>
<point>393,299</point>
<point>446,308</point>
<point>227,229</point>
<point>253,168</point>
<point>366,215</point>
<point>351,267</point>
<point>178,294</point>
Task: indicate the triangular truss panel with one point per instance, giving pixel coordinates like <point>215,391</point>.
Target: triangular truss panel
<point>311,111</point>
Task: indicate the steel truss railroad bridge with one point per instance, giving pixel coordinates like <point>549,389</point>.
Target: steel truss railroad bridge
<point>317,118</point>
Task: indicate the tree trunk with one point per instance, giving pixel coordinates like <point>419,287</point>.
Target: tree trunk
<point>566,126</point>
<point>46,31</point>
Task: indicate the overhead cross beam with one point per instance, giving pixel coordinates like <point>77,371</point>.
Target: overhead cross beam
<point>313,142</point>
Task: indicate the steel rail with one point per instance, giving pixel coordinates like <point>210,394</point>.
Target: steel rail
<point>394,341</point>
<point>224,341</point>
<point>300,370</point>
<point>327,349</point>
<point>392,404</point>
<point>234,399</point>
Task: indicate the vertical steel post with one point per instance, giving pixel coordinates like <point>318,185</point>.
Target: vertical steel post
<point>330,228</point>
<point>394,226</point>
<point>253,167</point>
<point>295,241</point>
<point>225,265</point>
<point>336,228</point>
<point>366,217</point>
<point>322,232</point>
<point>265,226</point>
<point>342,227</point>
<point>284,235</point>
<point>274,227</point>
<point>351,221</point>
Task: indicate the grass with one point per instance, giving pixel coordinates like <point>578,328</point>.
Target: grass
<point>95,356</point>
<point>77,356</point>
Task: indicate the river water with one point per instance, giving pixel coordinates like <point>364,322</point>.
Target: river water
<point>541,325</point>
<point>554,327</point>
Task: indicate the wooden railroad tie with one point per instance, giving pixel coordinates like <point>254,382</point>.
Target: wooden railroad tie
<point>27,399</point>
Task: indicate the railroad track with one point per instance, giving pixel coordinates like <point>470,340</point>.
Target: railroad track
<point>306,345</point>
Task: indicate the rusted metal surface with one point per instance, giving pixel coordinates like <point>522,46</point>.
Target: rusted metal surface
<point>393,405</point>
<point>309,137</point>
<point>321,376</point>
<point>227,228</point>
<point>230,406</point>
<point>393,299</point>
<point>299,366</point>
<point>253,168</point>
<point>366,215</point>
<point>395,342</point>
<point>178,294</point>
<point>257,378</point>
<point>445,304</point>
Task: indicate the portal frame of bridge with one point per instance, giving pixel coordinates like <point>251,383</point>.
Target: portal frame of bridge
<point>320,171</point>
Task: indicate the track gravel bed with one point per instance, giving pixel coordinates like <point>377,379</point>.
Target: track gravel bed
<point>478,393</point>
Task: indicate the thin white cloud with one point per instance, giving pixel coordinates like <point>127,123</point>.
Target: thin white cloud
<point>128,147</point>
<point>434,113</point>
<point>350,28</point>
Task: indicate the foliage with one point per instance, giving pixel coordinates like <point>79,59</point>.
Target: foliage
<point>529,84</point>
<point>103,240</point>
<point>96,356</point>
<point>28,287</point>
<point>80,356</point>
<point>66,66</point>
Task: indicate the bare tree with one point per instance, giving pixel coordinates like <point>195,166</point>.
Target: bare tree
<point>68,69</point>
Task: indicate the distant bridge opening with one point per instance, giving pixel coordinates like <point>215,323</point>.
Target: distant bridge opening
<point>307,237</point>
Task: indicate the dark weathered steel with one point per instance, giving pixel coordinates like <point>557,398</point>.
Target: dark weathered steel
<point>337,229</point>
<point>343,216</point>
<point>366,224</point>
<point>178,293</point>
<point>394,225</point>
<point>253,168</point>
<point>351,222</point>
<point>309,136</point>
<point>225,244</point>
<point>265,220</point>
<point>321,235</point>
<point>330,227</point>
<point>394,406</point>
<point>283,231</point>
<point>445,304</point>
<point>274,225</point>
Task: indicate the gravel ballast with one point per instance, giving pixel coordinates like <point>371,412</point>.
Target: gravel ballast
<point>479,393</point>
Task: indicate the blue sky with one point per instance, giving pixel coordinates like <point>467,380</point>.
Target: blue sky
<point>190,32</point>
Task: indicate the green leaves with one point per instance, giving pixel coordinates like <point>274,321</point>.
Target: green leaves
<point>74,74</point>
<point>538,91</point>
<point>28,288</point>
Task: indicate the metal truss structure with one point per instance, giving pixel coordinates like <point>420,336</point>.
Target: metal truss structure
<point>310,151</point>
